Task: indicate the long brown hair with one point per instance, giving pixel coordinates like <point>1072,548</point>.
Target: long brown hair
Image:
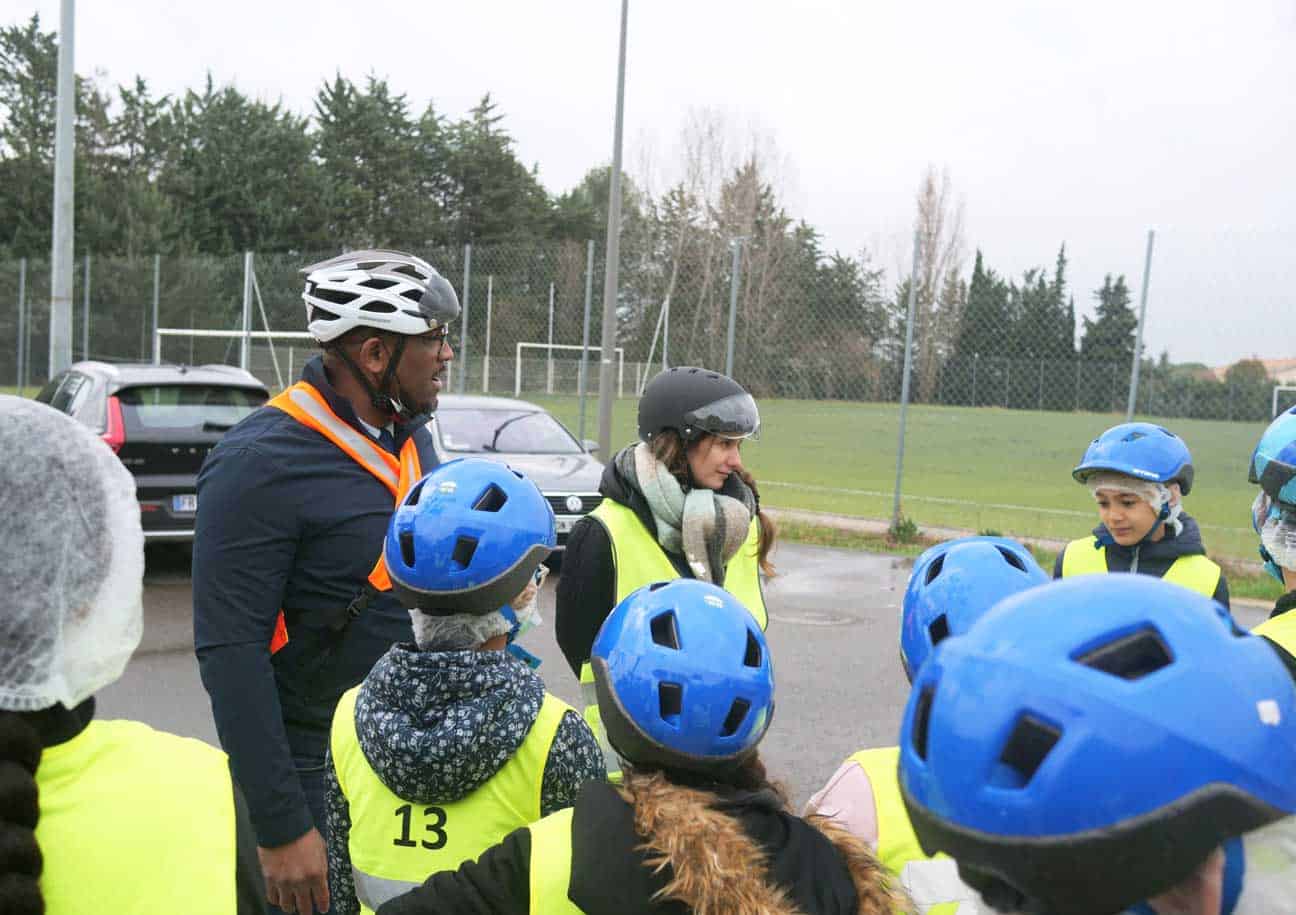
<point>669,448</point>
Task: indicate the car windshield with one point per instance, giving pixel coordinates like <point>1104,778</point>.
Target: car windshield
<point>513,431</point>
<point>186,406</point>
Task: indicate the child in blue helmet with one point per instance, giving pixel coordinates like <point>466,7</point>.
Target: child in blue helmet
<point>686,690</point>
<point>451,742</point>
<point>1139,759</point>
<point>1273,514</point>
<point>1138,474</point>
<point>951,586</point>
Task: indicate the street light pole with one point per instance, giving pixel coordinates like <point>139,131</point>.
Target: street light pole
<point>607,350</point>
<point>61,255</point>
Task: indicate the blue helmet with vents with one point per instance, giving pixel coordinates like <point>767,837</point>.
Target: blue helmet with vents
<point>1273,462</point>
<point>1100,719</point>
<point>684,678</point>
<point>953,584</point>
<point>467,538</point>
<point>1144,451</point>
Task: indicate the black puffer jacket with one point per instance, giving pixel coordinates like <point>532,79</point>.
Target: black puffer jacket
<point>1157,557</point>
<point>435,726</point>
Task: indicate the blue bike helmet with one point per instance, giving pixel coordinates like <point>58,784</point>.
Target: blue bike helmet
<point>953,584</point>
<point>1144,451</point>
<point>1273,462</point>
<point>1089,742</point>
<point>467,538</point>
<point>684,678</point>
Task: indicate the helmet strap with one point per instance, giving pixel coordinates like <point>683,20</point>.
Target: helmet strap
<point>384,403</point>
<point>392,403</point>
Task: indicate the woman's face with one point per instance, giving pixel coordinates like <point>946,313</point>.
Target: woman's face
<point>1126,516</point>
<point>711,459</point>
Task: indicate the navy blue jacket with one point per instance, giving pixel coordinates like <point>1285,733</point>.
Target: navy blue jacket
<point>286,520</point>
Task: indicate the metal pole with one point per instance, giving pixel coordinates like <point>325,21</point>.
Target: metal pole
<point>85,311</point>
<point>976,358</point>
<point>1077,386</point>
<point>245,347</point>
<point>733,304</point>
<point>666,335</point>
<point>490,303</point>
<point>463,340</point>
<point>22,328</point>
<point>1040,405</point>
<point>904,384</point>
<point>1138,337</point>
<point>61,253</point>
<point>157,297</point>
<point>549,366</point>
<point>589,296</point>
<point>613,254</point>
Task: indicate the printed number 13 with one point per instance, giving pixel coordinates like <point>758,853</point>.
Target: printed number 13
<point>436,827</point>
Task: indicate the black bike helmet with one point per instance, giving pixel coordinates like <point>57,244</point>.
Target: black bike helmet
<point>696,402</point>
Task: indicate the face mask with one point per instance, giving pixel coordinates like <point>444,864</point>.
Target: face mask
<point>524,614</point>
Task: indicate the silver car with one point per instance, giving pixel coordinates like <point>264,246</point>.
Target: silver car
<point>527,438</point>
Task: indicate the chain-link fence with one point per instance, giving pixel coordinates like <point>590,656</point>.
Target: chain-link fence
<point>999,355</point>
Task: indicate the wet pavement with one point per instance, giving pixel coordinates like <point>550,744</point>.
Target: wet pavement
<point>834,630</point>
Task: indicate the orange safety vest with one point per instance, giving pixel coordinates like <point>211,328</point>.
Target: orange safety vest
<point>307,405</point>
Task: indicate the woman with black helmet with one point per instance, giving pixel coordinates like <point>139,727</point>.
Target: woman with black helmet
<point>676,504</point>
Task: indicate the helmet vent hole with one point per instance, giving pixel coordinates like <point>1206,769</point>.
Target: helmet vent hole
<point>1027,748</point>
<point>410,270</point>
<point>319,314</point>
<point>665,631</point>
<point>1130,657</point>
<point>491,500</point>
<point>375,282</point>
<point>414,295</point>
<point>462,553</point>
<point>378,308</point>
<point>369,265</point>
<point>1134,436</point>
<point>737,715</point>
<point>415,494</point>
<point>407,548</point>
<point>938,630</point>
<point>670,702</point>
<point>934,569</point>
<point>658,585</point>
<point>336,296</point>
<point>922,718</point>
<point>1012,559</point>
<point>752,656</point>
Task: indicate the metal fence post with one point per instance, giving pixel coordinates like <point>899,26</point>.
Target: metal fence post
<point>1077,386</point>
<point>22,327</point>
<point>463,340</point>
<point>585,332</point>
<point>85,311</point>
<point>1040,404</point>
<point>157,297</point>
<point>1007,380</point>
<point>976,358</point>
<point>904,383</point>
<point>549,366</point>
<point>733,304</point>
<point>490,304</point>
<point>1138,336</point>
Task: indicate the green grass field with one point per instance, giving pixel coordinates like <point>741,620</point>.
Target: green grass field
<point>979,469</point>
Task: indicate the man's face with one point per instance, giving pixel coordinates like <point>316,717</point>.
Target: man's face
<point>422,370</point>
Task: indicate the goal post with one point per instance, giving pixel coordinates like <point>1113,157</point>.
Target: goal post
<point>571,348</point>
<point>1278,389</point>
<point>283,360</point>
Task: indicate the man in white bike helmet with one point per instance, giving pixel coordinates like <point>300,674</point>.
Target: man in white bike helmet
<point>292,602</point>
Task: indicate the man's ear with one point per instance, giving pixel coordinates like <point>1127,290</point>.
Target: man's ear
<point>1176,495</point>
<point>372,355</point>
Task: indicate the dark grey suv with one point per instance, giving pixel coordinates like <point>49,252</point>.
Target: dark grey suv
<point>161,420</point>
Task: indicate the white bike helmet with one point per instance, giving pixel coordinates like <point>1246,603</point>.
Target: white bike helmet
<point>385,290</point>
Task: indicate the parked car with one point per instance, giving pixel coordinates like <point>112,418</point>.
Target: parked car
<point>161,420</point>
<point>528,438</point>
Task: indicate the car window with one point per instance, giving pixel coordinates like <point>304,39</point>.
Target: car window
<point>186,406</point>
<point>514,431</point>
<point>46,394</point>
<point>63,398</point>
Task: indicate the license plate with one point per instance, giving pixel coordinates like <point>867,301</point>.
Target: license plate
<point>188,502</point>
<point>564,525</point>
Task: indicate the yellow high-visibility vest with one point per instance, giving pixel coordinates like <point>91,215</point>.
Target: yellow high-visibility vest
<point>1281,629</point>
<point>639,560</point>
<point>551,857</point>
<point>1197,573</point>
<point>396,844</point>
<point>136,820</point>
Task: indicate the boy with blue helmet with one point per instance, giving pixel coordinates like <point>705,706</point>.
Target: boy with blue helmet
<point>685,687</point>
<point>450,743</point>
<point>1273,515</point>
<point>953,584</point>
<point>1138,474</point>
<point>1078,762</point>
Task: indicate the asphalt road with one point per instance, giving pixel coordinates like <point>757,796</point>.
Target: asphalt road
<point>834,619</point>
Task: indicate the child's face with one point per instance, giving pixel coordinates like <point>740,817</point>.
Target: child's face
<point>1125,515</point>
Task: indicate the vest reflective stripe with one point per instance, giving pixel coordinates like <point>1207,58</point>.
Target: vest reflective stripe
<point>136,820</point>
<point>395,844</point>
<point>1282,629</point>
<point>638,560</point>
<point>1197,573</point>
<point>550,866</point>
<point>307,405</point>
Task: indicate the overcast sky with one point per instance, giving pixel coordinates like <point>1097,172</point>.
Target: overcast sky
<point>1088,123</point>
